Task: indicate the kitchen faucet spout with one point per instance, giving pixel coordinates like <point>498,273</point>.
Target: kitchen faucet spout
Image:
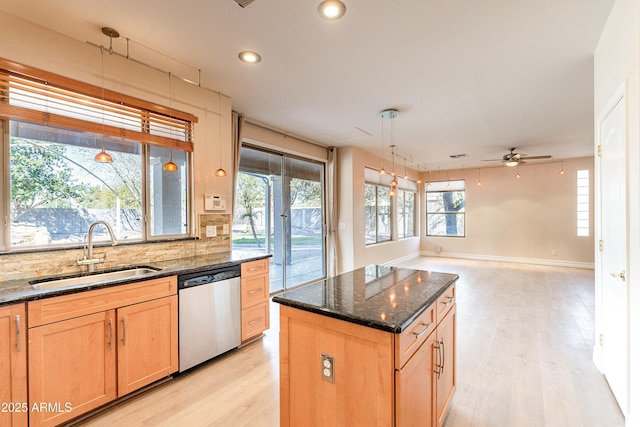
<point>88,258</point>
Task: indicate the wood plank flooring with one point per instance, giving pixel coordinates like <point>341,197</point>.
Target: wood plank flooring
<point>525,338</point>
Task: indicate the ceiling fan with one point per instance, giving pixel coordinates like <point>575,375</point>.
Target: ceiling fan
<point>514,159</point>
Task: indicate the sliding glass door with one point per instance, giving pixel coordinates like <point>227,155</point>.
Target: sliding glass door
<point>280,210</point>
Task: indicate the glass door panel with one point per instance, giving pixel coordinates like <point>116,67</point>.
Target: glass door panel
<point>280,210</point>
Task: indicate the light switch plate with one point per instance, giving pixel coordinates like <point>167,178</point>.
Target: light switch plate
<point>211,231</point>
<point>225,229</point>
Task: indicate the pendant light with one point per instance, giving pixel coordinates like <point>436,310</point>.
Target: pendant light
<point>220,172</point>
<point>382,171</point>
<point>102,156</point>
<point>479,183</point>
<point>170,166</point>
<point>561,168</point>
<point>518,171</point>
<point>394,181</point>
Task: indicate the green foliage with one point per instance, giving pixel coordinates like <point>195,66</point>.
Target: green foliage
<point>39,177</point>
<point>305,193</point>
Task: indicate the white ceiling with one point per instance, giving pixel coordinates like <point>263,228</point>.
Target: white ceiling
<point>471,77</point>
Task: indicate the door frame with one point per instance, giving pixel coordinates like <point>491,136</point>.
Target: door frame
<point>620,95</point>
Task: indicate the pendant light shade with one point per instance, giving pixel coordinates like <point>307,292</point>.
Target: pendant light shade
<point>170,166</point>
<point>221,172</point>
<point>103,156</point>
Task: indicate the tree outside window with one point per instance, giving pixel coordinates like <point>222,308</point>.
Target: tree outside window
<point>446,209</point>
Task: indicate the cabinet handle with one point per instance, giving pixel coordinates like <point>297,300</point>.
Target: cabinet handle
<point>18,333</point>
<point>253,322</point>
<point>449,301</point>
<point>255,291</point>
<point>110,334</point>
<point>423,331</point>
<point>255,268</point>
<point>438,357</point>
<point>443,354</point>
<point>124,330</point>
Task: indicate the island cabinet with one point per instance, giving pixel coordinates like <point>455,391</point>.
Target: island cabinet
<point>379,354</point>
<point>13,366</point>
<point>254,297</point>
<point>89,348</point>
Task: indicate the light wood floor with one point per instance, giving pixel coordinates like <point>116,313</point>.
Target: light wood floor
<point>525,338</point>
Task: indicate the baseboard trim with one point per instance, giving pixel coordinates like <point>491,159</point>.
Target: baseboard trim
<point>537,261</point>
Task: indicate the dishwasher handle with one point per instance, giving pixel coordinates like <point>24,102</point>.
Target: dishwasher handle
<point>209,276</point>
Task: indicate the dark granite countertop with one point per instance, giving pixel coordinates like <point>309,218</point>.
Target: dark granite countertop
<point>15,291</point>
<point>386,298</point>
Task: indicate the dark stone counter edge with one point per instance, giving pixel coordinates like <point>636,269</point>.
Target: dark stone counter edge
<point>20,296</point>
<point>371,323</point>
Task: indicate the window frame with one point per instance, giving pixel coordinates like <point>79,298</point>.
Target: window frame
<point>404,234</point>
<point>378,188</point>
<point>159,126</point>
<point>454,186</point>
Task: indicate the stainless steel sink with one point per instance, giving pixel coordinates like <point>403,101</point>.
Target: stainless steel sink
<point>92,278</point>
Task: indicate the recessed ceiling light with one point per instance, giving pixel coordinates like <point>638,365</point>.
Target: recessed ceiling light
<point>249,57</point>
<point>332,9</point>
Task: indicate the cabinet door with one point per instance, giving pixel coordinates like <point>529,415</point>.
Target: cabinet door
<point>446,361</point>
<point>147,343</point>
<point>71,367</point>
<point>13,366</point>
<point>414,387</point>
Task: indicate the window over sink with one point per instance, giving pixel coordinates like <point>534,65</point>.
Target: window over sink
<point>55,190</point>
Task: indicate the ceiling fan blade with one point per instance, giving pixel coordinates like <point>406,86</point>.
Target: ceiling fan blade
<point>538,157</point>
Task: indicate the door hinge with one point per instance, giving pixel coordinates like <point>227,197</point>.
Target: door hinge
<point>600,245</point>
<point>601,340</point>
<point>599,150</point>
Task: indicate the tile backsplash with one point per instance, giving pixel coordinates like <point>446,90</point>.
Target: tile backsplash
<point>49,263</point>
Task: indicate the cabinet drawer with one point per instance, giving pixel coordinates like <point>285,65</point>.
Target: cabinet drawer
<point>255,320</point>
<point>446,301</point>
<point>55,309</point>
<point>409,340</point>
<point>254,268</point>
<point>254,290</point>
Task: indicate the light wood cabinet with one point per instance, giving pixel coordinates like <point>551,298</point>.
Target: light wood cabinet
<point>426,383</point>
<point>13,366</point>
<point>72,365</point>
<point>254,296</point>
<point>147,343</point>
<point>380,378</point>
<point>111,342</point>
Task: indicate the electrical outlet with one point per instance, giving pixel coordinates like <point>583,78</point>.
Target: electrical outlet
<point>211,231</point>
<point>327,367</point>
<point>554,252</point>
<point>225,229</point>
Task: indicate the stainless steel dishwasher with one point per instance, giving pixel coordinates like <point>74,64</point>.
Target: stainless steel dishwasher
<point>208,314</point>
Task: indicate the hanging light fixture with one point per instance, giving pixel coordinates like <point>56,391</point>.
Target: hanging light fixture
<point>405,169</point>
<point>394,181</point>
<point>561,168</point>
<point>479,182</point>
<point>220,172</point>
<point>419,181</point>
<point>103,156</point>
<point>518,171</point>
<point>170,166</point>
<point>382,170</point>
<point>428,182</point>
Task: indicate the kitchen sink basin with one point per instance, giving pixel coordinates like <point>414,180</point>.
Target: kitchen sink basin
<point>53,282</point>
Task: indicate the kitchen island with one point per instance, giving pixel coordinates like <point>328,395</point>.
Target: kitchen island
<point>375,346</point>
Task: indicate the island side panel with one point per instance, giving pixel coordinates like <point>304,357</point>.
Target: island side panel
<point>363,391</point>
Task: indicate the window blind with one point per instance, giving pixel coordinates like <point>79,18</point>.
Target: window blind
<point>37,96</point>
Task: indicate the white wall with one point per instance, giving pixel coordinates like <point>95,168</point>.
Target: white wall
<point>36,46</point>
<point>519,219</point>
<point>616,62</point>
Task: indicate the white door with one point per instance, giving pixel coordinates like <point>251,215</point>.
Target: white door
<point>614,253</point>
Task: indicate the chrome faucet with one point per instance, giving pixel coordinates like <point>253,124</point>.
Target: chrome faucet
<point>87,251</point>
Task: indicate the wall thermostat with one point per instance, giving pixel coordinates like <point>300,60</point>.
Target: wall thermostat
<point>214,203</point>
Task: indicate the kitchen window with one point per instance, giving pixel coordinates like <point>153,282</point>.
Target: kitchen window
<point>406,207</point>
<point>51,134</point>
<point>446,208</point>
